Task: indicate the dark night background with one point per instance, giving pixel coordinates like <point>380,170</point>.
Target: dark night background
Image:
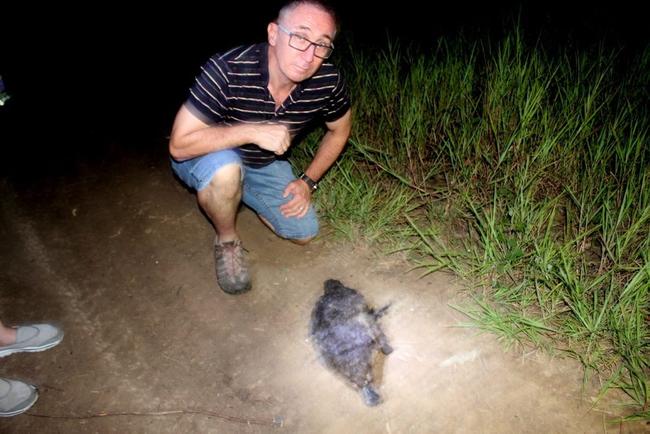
<point>86,78</point>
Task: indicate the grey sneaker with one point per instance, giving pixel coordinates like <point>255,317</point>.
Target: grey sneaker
<point>16,397</point>
<point>232,267</point>
<point>32,338</point>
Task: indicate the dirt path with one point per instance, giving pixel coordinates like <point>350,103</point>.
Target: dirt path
<point>119,254</point>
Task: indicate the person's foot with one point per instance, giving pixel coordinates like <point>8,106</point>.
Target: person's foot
<point>32,338</point>
<point>232,267</point>
<point>16,397</point>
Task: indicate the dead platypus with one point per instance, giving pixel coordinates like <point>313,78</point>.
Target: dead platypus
<point>346,332</point>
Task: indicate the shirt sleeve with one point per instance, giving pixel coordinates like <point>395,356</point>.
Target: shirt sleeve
<point>208,96</point>
<point>339,102</point>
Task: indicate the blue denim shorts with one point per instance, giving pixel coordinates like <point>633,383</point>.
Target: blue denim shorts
<point>262,190</point>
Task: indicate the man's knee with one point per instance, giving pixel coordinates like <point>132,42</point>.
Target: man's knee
<point>302,241</point>
<point>297,230</point>
<point>303,231</point>
<point>226,182</point>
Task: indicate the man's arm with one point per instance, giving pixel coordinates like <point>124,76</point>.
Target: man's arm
<point>191,137</point>
<point>331,146</point>
<point>329,150</point>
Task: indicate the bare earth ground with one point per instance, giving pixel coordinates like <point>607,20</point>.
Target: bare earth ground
<point>119,254</point>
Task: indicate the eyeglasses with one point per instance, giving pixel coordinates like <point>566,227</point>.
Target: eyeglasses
<point>301,43</point>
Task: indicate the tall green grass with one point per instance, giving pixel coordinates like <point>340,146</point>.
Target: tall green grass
<point>525,173</point>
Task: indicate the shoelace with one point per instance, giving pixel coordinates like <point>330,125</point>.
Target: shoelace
<point>233,257</point>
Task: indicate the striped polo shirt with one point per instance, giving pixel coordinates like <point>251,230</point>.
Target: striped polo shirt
<point>233,88</point>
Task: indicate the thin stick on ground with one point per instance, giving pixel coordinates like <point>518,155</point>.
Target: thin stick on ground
<point>235,419</point>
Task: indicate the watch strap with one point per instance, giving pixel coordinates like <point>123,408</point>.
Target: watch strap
<point>313,185</point>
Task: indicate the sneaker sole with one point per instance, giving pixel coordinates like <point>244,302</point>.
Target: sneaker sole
<point>9,351</point>
<point>20,411</point>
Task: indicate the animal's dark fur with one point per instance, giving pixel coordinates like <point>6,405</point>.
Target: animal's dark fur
<point>346,332</point>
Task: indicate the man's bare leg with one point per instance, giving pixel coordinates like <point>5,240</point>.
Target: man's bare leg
<point>7,335</point>
<point>220,201</point>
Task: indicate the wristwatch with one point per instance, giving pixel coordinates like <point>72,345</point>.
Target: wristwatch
<point>313,185</point>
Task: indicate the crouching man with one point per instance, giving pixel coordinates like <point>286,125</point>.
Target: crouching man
<point>242,112</point>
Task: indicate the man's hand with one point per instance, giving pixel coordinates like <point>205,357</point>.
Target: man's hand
<point>298,205</point>
<point>272,137</point>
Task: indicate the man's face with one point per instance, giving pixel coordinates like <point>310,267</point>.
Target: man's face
<point>308,22</point>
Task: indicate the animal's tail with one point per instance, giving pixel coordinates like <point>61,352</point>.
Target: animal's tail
<point>378,313</point>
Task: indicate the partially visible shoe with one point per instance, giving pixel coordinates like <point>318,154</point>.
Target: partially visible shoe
<point>16,397</point>
<point>32,338</point>
<point>232,267</point>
